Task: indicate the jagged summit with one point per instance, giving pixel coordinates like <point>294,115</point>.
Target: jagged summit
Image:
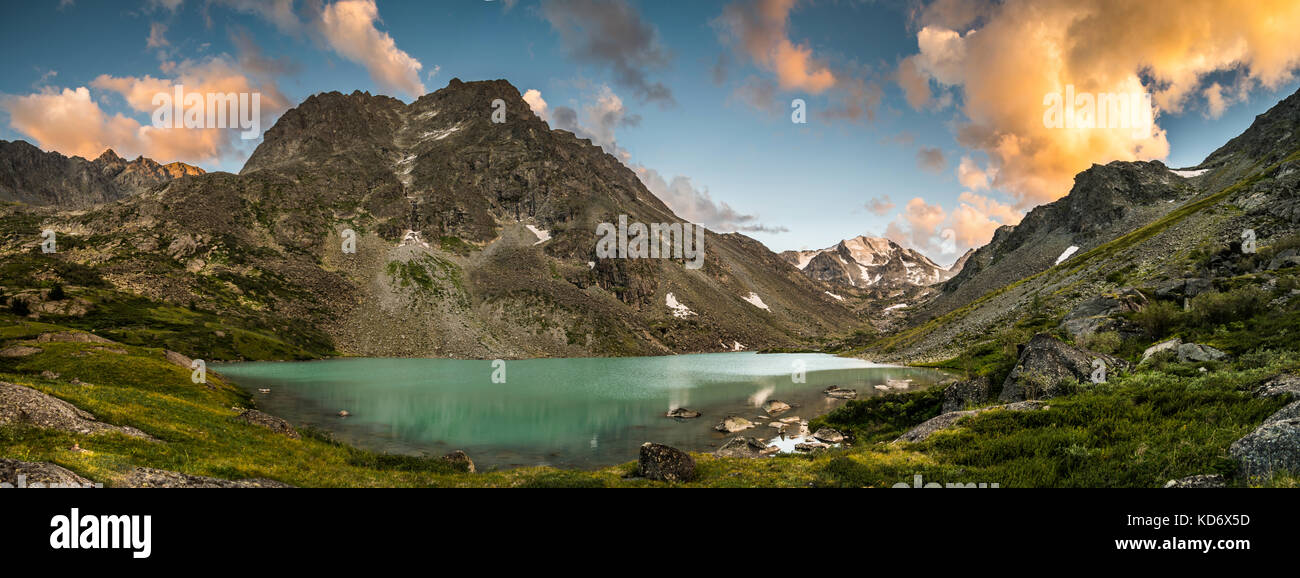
<point>868,262</point>
<point>35,177</point>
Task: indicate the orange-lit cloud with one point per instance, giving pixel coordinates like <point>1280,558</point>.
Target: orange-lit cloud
<point>349,27</point>
<point>1006,56</point>
<point>759,30</point>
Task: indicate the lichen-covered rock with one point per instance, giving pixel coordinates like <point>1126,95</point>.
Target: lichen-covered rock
<point>151,478</point>
<point>1046,364</point>
<point>460,462</point>
<point>741,447</point>
<point>268,421</point>
<point>1273,447</point>
<point>1285,384</point>
<point>1170,347</point>
<point>667,464</point>
<point>26,406</point>
<point>1196,352</point>
<point>963,394</point>
<point>16,474</point>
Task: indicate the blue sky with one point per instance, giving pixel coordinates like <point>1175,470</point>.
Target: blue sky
<point>790,186</point>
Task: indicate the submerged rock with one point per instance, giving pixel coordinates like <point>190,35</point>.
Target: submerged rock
<point>683,413</point>
<point>268,421</point>
<point>838,392</point>
<point>666,464</point>
<point>733,424</point>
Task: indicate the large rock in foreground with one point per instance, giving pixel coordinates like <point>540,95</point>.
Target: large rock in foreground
<point>1046,364</point>
<point>962,394</point>
<point>666,464</point>
<point>28,474</point>
<point>25,406</point>
<point>1273,447</point>
<point>151,478</point>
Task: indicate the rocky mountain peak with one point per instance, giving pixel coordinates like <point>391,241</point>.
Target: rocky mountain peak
<point>35,177</point>
<point>868,262</point>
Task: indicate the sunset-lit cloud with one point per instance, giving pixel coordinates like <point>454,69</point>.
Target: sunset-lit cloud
<point>349,27</point>
<point>1005,57</point>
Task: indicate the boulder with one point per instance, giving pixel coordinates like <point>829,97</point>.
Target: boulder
<point>1046,363</point>
<point>1199,481</point>
<point>1273,447</point>
<point>828,435</point>
<point>810,447</point>
<point>460,462</point>
<point>22,405</point>
<point>268,421</point>
<point>25,474</point>
<point>1198,353</point>
<point>1285,384</point>
<point>666,464</point>
<point>1285,259</point>
<point>151,478</point>
<point>1101,313</point>
<point>775,407</point>
<point>733,424</point>
<point>741,447</point>
<point>1170,347</point>
<point>962,394</point>
<point>929,427</point>
<point>683,413</point>
<point>1187,288</point>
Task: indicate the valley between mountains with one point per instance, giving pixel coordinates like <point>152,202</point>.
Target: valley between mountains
<point>476,240</point>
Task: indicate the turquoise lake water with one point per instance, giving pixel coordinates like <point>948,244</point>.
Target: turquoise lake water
<point>569,413</point>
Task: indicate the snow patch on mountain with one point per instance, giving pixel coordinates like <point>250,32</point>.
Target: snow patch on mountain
<point>1067,254</point>
<point>680,310</point>
<point>757,301</point>
<point>542,234</point>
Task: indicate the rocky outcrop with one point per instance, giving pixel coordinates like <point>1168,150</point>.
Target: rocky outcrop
<point>1198,481</point>
<point>869,262</point>
<point>1273,447</point>
<point>1286,384</point>
<point>1046,364</point>
<point>19,351</point>
<point>268,421</point>
<point>151,478</point>
<point>666,464</point>
<point>963,394</point>
<point>1102,313</point>
<point>742,447</point>
<point>20,405</point>
<point>923,432</point>
<point>460,462</point>
<point>18,474</point>
<point>71,337</point>
<point>177,359</point>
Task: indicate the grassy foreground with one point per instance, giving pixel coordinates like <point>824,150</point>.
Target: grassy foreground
<point>1140,430</point>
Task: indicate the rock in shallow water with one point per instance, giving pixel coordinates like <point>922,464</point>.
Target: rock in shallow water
<point>733,424</point>
<point>742,447</point>
<point>683,413</point>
